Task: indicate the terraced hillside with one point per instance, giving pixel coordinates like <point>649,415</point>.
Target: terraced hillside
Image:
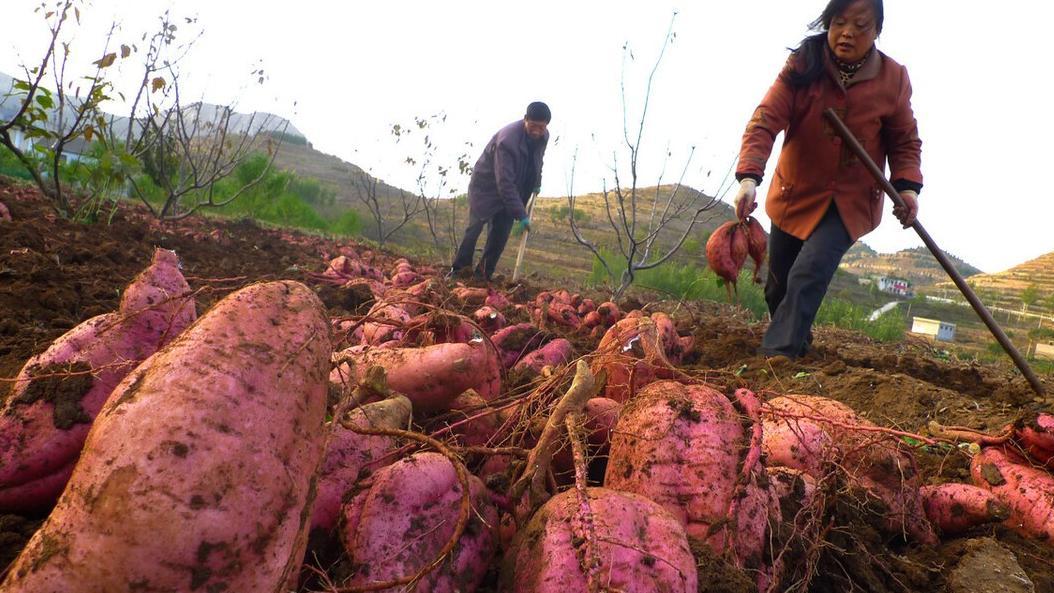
<point>916,264</point>
<point>1030,281</point>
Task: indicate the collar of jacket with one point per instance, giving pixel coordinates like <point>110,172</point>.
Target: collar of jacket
<point>869,70</point>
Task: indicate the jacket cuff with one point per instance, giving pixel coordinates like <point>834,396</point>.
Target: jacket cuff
<point>904,185</point>
<point>756,178</point>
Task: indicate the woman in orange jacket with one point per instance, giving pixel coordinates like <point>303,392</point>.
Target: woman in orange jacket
<point>821,198</point>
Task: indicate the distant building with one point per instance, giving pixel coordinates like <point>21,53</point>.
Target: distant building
<point>18,138</point>
<point>939,330</point>
<point>1044,351</point>
<point>895,286</point>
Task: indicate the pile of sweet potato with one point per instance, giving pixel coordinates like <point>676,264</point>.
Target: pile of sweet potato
<point>441,438</point>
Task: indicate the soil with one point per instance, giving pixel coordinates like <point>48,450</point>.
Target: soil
<point>55,274</point>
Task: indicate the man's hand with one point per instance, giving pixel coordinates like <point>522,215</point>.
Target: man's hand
<point>907,214</point>
<point>744,202</point>
<point>523,225</point>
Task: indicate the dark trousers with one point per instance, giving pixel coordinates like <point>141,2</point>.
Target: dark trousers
<point>799,274</point>
<point>497,236</point>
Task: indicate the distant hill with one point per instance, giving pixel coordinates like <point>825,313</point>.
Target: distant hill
<point>916,264</point>
<point>1005,288</point>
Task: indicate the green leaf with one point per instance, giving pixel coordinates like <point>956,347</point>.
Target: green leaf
<point>801,375</point>
<point>739,372</point>
<point>21,85</point>
<point>44,101</point>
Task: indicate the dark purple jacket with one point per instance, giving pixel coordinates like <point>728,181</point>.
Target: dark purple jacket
<point>500,179</point>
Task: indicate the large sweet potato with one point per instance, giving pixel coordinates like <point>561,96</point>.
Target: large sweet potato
<point>818,435</point>
<point>399,524</point>
<point>350,455</point>
<point>1027,490</point>
<point>431,376</point>
<point>59,392</point>
<point>637,545</point>
<point>489,318</point>
<point>684,446</point>
<point>1035,434</point>
<point>198,474</point>
<point>517,340</point>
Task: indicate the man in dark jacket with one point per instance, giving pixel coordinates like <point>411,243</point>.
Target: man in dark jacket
<point>504,177</point>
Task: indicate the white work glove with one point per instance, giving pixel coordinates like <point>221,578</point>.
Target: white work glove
<point>907,215</point>
<point>744,202</point>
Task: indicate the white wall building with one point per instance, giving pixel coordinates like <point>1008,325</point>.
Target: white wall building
<point>939,330</point>
<point>897,286</point>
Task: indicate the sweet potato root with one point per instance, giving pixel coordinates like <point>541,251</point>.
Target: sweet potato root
<point>757,243</point>
<point>398,525</point>
<point>631,348</point>
<point>199,472</point>
<point>59,392</point>
<point>1028,491</point>
<point>555,353</point>
<point>350,455</point>
<point>614,540</point>
<point>955,508</point>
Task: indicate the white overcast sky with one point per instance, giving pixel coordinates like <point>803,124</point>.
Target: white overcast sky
<point>980,72</point>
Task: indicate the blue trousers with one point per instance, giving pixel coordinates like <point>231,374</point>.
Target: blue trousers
<point>799,275</point>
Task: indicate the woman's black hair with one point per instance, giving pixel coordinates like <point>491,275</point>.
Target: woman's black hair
<point>810,50</point>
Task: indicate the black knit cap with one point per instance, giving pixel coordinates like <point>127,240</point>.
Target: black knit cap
<point>539,111</point>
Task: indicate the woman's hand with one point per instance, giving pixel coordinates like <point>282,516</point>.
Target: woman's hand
<point>907,214</point>
<point>744,202</point>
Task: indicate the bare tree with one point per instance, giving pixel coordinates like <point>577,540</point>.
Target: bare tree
<point>637,225</point>
<point>52,119</point>
<point>435,179</point>
<point>188,149</point>
<point>390,213</point>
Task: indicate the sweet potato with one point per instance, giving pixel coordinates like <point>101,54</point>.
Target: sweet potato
<point>719,252</point>
<point>431,376</point>
<point>601,415</point>
<point>199,472</point>
<point>388,326</point>
<point>684,447</point>
<point>818,435</point>
<point>757,244</point>
<point>555,353</point>
<point>398,525</point>
<point>586,306</point>
<point>477,423</point>
<point>674,345</point>
<point>517,340</point>
<point>1028,491</point>
<point>471,296</point>
<point>59,392</point>
<point>639,547</point>
<point>1035,434</point>
<point>405,279</point>
<point>489,318</point>
<point>955,508</point>
<point>497,300</point>
<point>559,313</point>
<point>5,214</point>
<point>350,455</point>
<point>631,348</point>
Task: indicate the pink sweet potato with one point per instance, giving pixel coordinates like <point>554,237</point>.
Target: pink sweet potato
<point>431,376</point>
<point>601,415</point>
<point>684,446</point>
<point>198,474</point>
<point>388,326</point>
<point>399,524</point>
<point>586,306</point>
<point>719,252</point>
<point>555,353</point>
<point>674,345</point>
<point>1035,434</point>
<point>350,455</point>
<point>562,314</point>
<point>639,546</point>
<point>1027,490</point>
<point>405,279</point>
<point>497,300</point>
<point>471,296</point>
<point>818,435</point>
<point>489,318</point>
<point>59,392</point>
<point>5,214</point>
<point>517,340</point>
<point>477,424</point>
<point>757,243</point>
<point>955,508</point>
<point>631,348</point>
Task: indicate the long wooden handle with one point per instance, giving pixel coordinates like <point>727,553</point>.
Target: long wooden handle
<point>523,241</point>
<point>946,263</point>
